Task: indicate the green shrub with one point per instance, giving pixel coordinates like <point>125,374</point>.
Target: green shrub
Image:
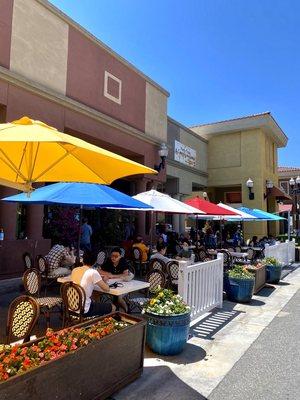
<point>240,272</point>
<point>270,261</point>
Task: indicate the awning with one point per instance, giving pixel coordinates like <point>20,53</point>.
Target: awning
<point>285,208</point>
<point>278,193</point>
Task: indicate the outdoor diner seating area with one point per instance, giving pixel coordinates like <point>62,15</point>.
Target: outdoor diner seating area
<point>101,281</point>
<point>53,291</point>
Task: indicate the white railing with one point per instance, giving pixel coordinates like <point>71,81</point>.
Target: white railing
<point>201,285</point>
<point>283,252</point>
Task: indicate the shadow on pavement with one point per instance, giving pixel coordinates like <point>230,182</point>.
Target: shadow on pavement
<point>214,322</point>
<point>190,355</point>
<point>158,383</point>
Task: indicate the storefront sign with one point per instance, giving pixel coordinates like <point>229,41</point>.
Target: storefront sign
<point>184,154</point>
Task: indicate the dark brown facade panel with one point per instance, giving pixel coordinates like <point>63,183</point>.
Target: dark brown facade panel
<point>21,102</point>
<point>87,64</point>
<point>6,12</point>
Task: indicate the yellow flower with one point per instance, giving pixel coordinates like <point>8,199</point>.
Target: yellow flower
<point>152,302</point>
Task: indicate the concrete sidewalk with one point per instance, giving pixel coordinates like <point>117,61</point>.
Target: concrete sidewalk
<point>219,340</point>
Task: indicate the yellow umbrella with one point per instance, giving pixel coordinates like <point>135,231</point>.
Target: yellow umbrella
<point>31,151</point>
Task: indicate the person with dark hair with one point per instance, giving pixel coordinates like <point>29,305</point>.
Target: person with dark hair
<point>127,246</point>
<point>139,243</point>
<point>185,251</point>
<point>254,242</point>
<point>60,259</point>
<point>160,255</point>
<point>86,232</point>
<point>89,279</point>
<point>116,267</point>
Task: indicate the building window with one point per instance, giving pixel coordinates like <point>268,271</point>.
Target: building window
<point>233,197</point>
<point>112,87</point>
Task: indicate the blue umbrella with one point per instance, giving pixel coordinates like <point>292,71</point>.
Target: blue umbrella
<point>272,217</point>
<point>79,194</point>
<point>260,215</point>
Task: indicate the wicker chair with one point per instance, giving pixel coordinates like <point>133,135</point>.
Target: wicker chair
<point>156,279</point>
<point>47,276</point>
<point>101,258</point>
<point>156,264</point>
<point>251,254</point>
<point>202,255</point>
<point>140,266</point>
<point>23,314</point>
<point>27,260</point>
<point>227,259</point>
<point>32,285</point>
<point>173,269</point>
<point>73,297</point>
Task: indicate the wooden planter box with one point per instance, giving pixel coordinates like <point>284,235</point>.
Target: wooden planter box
<point>260,277</point>
<point>93,372</point>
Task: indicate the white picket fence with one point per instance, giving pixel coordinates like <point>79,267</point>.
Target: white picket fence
<point>283,252</point>
<point>201,285</point>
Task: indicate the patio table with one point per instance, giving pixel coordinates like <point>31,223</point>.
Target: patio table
<point>128,287</point>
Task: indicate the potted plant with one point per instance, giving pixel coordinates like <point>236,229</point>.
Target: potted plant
<point>168,322</point>
<point>91,360</point>
<point>273,268</point>
<point>259,272</point>
<point>240,284</point>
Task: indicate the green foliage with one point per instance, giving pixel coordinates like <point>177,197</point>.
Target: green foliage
<point>240,272</point>
<point>270,261</point>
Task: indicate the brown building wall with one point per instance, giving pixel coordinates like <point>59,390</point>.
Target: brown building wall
<point>87,64</point>
<point>6,12</point>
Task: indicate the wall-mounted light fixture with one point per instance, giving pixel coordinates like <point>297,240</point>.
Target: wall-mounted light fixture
<point>163,153</point>
<point>249,185</point>
<point>269,186</point>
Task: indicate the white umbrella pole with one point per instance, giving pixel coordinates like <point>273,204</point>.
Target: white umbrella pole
<point>289,226</point>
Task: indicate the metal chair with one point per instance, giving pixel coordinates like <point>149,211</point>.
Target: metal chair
<point>32,285</point>
<point>27,260</point>
<point>23,314</point>
<point>156,279</point>
<point>73,297</point>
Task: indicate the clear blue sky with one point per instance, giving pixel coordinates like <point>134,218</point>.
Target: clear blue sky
<point>219,59</point>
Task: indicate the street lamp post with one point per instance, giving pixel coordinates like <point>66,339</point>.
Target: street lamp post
<point>295,190</point>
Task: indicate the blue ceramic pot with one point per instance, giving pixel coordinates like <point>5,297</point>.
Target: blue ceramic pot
<point>273,273</point>
<point>167,335</point>
<point>240,290</point>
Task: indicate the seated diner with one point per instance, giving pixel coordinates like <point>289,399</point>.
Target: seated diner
<point>88,277</point>
<point>60,260</point>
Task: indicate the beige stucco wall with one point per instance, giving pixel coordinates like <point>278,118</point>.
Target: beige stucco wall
<point>39,45</point>
<point>156,113</point>
<point>235,157</point>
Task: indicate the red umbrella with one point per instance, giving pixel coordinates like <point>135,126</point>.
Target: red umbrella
<point>208,207</point>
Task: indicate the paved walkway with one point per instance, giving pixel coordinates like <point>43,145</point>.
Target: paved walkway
<point>219,341</point>
<point>270,369</point>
